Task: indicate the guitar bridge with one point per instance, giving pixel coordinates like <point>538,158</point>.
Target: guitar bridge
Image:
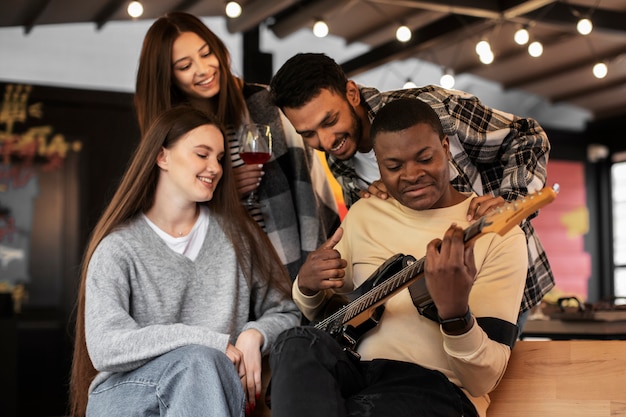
<point>349,341</point>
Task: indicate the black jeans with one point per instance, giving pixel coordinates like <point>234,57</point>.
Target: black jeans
<point>313,376</point>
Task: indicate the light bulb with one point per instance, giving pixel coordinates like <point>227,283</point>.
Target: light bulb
<point>409,84</point>
<point>135,9</point>
<point>584,26</point>
<point>483,47</point>
<point>535,49</point>
<point>233,9</point>
<point>447,81</point>
<point>521,36</point>
<point>403,34</point>
<point>600,70</point>
<point>487,57</point>
<point>320,29</point>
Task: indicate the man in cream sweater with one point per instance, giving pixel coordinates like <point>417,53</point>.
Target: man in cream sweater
<point>410,364</point>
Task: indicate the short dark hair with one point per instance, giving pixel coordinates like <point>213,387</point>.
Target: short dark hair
<point>302,78</point>
<point>403,113</point>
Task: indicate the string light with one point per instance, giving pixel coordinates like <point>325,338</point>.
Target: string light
<point>320,28</point>
<point>584,26</point>
<point>233,9</point>
<point>600,70</point>
<point>522,36</point>
<point>483,47</point>
<point>403,33</point>
<point>485,54</point>
<point>447,79</point>
<point>409,84</point>
<point>535,49</point>
<point>135,9</point>
<point>487,58</point>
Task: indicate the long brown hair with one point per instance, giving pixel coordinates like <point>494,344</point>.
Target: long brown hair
<point>136,194</point>
<point>155,90</point>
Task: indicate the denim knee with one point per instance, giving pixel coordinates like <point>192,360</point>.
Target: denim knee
<point>189,380</point>
<point>198,355</point>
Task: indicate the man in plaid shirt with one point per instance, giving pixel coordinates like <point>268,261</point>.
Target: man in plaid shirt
<point>497,155</point>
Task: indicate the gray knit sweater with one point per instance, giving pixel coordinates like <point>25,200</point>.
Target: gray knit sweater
<point>143,299</point>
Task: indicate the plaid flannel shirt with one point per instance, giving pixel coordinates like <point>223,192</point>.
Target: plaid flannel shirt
<point>493,152</point>
<point>299,211</point>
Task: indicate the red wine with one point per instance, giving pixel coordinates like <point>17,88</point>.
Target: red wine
<point>255,157</point>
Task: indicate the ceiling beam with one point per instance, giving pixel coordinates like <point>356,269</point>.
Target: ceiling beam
<point>565,67</point>
<point>475,8</point>
<point>387,31</point>
<point>256,12</point>
<point>513,9</point>
<point>185,5</point>
<point>304,15</point>
<point>471,11</point>
<point>105,13</point>
<point>422,39</point>
<point>487,9</point>
<point>33,13</point>
<point>574,94</point>
<point>514,53</point>
<point>604,20</point>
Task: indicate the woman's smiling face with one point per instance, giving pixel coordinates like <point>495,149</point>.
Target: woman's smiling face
<point>195,68</point>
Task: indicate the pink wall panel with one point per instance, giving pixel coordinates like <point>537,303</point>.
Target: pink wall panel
<point>562,225</point>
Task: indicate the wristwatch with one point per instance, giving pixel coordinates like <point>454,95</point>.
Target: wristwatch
<point>456,324</point>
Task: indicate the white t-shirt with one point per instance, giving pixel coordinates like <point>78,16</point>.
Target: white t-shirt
<point>366,168</point>
<point>190,244</point>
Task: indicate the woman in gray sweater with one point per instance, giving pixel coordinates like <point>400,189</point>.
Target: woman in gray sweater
<point>181,291</point>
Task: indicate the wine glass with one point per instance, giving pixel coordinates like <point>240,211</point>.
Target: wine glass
<point>255,147</point>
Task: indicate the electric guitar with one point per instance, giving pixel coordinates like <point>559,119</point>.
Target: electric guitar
<point>352,315</point>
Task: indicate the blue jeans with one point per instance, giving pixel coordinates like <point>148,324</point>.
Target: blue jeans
<point>312,376</point>
<point>189,381</point>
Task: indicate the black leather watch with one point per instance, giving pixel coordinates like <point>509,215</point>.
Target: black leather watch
<point>456,324</point>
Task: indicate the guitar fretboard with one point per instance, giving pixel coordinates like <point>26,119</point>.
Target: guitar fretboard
<point>373,296</point>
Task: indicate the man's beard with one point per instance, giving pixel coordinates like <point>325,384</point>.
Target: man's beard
<point>357,129</point>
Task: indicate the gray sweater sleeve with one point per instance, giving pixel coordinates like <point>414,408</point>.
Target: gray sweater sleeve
<point>274,313</point>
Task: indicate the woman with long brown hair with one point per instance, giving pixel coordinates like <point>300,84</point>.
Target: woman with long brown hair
<point>183,61</point>
<point>181,292</point>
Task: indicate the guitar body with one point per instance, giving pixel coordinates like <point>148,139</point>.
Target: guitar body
<point>348,334</point>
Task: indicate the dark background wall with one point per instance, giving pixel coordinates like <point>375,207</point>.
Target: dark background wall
<point>101,132</point>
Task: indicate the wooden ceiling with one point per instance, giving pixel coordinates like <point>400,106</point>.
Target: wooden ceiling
<point>444,32</point>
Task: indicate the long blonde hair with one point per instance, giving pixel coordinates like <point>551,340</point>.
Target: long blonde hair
<point>136,193</point>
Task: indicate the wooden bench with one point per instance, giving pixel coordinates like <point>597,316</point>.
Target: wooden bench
<point>563,378</point>
<point>557,378</point>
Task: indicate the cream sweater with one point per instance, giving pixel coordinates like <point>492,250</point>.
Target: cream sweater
<point>375,230</point>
